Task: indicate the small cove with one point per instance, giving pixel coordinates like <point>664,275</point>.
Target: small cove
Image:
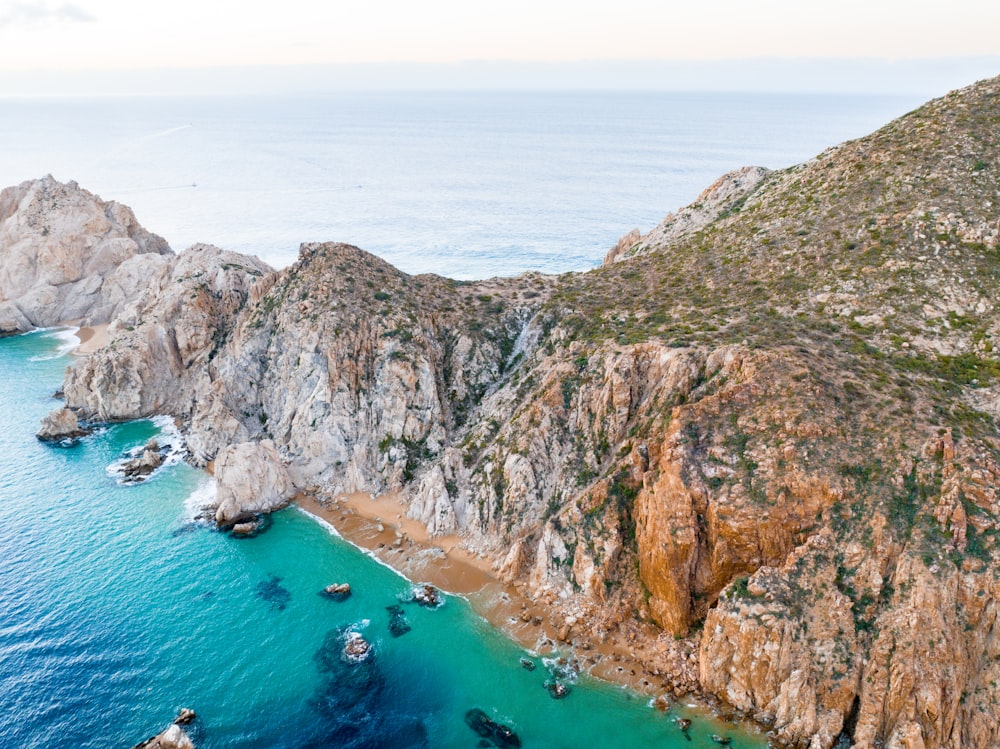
<point>116,611</point>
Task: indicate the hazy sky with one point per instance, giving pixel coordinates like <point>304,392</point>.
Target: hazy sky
<point>130,35</point>
<point>114,34</point>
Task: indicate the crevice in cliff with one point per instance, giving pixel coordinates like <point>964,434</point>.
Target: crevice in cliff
<point>850,723</point>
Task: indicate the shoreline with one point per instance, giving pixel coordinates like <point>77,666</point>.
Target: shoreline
<point>92,338</point>
<point>379,526</point>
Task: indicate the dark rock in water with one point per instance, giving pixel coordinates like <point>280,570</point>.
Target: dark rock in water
<point>356,648</point>
<point>527,664</point>
<point>427,595</point>
<point>185,716</point>
<point>684,724</point>
<point>354,707</point>
<point>662,703</point>
<point>723,740</point>
<point>274,593</point>
<point>556,689</point>
<point>256,525</point>
<point>398,626</point>
<point>138,468</point>
<point>337,591</point>
<point>496,733</point>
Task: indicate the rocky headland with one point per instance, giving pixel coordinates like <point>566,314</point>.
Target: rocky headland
<point>759,444</point>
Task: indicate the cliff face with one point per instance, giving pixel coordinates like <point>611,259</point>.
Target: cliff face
<point>772,432</point>
<point>65,254</point>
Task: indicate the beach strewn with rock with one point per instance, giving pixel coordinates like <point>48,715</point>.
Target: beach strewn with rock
<point>757,448</point>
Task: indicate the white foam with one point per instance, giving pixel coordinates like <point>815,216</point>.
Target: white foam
<point>367,552</point>
<point>201,499</point>
<point>169,438</point>
<point>68,341</point>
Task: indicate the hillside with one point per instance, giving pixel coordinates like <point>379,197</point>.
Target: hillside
<point>769,429</point>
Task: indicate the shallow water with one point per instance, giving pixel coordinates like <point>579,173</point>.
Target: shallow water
<point>116,611</point>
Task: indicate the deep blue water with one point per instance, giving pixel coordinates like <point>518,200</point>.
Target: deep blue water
<point>466,185</point>
<point>116,611</point>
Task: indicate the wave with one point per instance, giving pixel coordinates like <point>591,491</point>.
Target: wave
<point>67,338</point>
<point>201,499</point>
<point>172,449</point>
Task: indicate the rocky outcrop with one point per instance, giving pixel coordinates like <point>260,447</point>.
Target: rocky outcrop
<point>174,737</point>
<point>59,425</point>
<point>723,198</point>
<point>161,344</point>
<point>67,255</point>
<point>251,479</point>
<point>147,461</point>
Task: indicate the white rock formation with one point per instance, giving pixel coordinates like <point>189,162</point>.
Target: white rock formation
<point>59,245</point>
<point>60,424</point>
<point>252,478</point>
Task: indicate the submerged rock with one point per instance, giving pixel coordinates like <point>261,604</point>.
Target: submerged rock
<point>527,664</point>
<point>496,733</point>
<point>274,593</point>
<point>61,424</point>
<point>723,740</point>
<point>398,626</point>
<point>556,689</point>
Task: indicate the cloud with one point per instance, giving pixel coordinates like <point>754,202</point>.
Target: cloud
<point>37,14</point>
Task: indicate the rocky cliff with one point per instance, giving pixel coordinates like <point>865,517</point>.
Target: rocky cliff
<point>67,255</point>
<point>772,433</point>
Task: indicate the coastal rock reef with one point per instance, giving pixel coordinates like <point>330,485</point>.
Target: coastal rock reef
<point>764,433</point>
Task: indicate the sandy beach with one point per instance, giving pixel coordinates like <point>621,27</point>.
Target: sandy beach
<point>91,338</point>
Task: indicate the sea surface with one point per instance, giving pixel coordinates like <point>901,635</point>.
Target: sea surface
<point>117,610</point>
<point>464,185</point>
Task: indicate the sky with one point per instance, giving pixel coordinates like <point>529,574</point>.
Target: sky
<point>423,41</point>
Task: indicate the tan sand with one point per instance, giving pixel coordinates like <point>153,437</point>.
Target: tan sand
<point>91,338</point>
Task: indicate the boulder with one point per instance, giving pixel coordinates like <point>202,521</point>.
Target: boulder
<point>337,591</point>
<point>427,595</point>
<point>59,425</point>
<point>356,648</point>
<point>172,738</point>
<point>251,479</point>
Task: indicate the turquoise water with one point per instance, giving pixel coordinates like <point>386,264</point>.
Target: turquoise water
<point>116,611</point>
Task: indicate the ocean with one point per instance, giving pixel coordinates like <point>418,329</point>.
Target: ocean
<point>117,609</point>
<point>464,185</point>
